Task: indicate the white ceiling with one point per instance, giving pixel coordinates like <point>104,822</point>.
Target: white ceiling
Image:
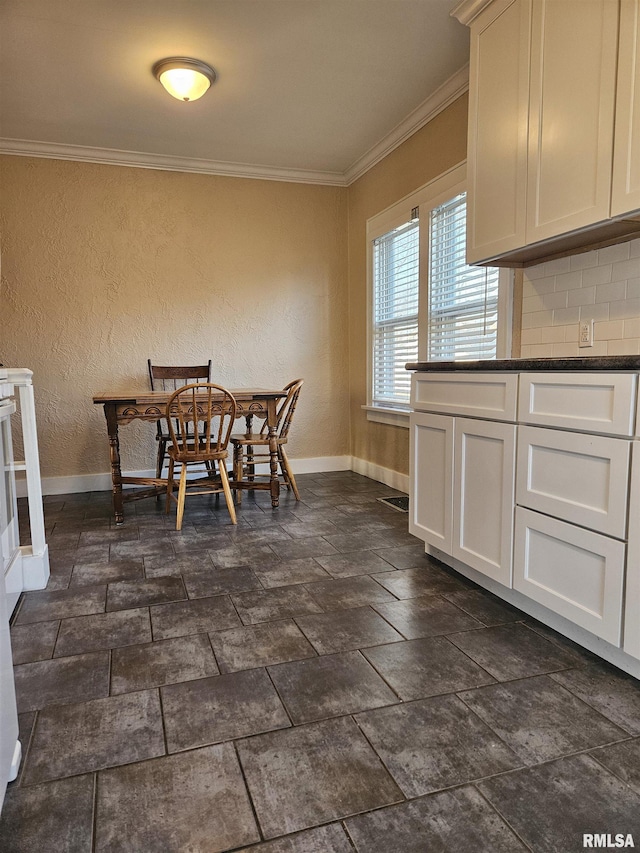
<point>309,89</point>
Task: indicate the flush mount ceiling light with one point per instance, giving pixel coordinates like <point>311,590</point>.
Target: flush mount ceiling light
<point>186,79</point>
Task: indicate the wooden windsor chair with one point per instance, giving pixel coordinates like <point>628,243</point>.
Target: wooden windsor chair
<point>170,378</point>
<point>250,448</point>
<point>200,418</point>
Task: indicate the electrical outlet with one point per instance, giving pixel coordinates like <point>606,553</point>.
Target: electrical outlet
<point>585,333</point>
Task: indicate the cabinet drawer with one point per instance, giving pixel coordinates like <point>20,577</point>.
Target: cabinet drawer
<point>574,572</point>
<point>596,402</point>
<point>481,395</point>
<point>576,477</point>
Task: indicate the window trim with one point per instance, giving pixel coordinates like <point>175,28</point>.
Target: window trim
<point>433,193</point>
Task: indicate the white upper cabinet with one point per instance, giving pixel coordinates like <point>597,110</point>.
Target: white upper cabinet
<point>571,115</point>
<point>498,121</point>
<point>562,76</point>
<point>625,192</point>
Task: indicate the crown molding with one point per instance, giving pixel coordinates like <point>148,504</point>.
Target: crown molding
<point>164,162</point>
<point>438,101</point>
<point>445,95</point>
<point>468,10</point>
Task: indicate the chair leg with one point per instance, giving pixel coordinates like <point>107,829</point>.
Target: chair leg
<point>287,472</point>
<point>162,446</point>
<point>224,477</point>
<point>182,490</point>
<point>237,470</point>
<point>169,487</point>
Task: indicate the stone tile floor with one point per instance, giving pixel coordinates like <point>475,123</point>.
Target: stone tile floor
<point>308,682</point>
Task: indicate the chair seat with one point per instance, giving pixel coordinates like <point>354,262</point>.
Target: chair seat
<point>195,455</point>
<point>254,438</point>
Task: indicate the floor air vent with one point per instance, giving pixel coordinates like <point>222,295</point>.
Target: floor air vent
<point>400,503</point>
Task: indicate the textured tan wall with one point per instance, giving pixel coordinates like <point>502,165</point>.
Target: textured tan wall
<point>435,148</point>
<point>105,266</point>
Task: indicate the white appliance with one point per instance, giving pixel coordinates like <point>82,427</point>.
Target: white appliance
<point>22,567</point>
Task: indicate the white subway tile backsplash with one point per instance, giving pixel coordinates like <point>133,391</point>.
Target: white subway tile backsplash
<point>565,350</point>
<point>595,312</point>
<point>564,316</point>
<point>538,286</point>
<point>623,347</point>
<point>555,300</point>
<point>552,335</point>
<point>583,296</point>
<point>536,272</point>
<point>611,254</point>
<point>571,333</point>
<point>596,275</point>
<point>611,292</point>
<point>537,351</point>
<point>537,319</point>
<point>627,308</point>
<point>533,303</point>
<point>608,330</point>
<point>602,285</point>
<point>584,260</point>
<point>625,269</point>
<point>569,280</point>
<point>530,336</point>
<point>557,266</point>
<point>632,328</point>
<point>633,288</point>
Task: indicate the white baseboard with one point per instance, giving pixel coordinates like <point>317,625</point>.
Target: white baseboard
<point>393,479</point>
<point>102,482</point>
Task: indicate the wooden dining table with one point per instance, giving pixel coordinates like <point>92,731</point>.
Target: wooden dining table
<point>124,407</point>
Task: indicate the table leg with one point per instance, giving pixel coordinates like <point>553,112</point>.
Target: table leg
<point>273,452</point>
<point>114,455</point>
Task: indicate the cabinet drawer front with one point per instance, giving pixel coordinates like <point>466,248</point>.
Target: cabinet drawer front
<point>431,479</point>
<point>483,496</point>
<point>597,402</point>
<point>574,572</point>
<point>579,478</point>
<point>482,395</point>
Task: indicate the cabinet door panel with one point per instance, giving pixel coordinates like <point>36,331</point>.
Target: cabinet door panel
<point>484,472</point>
<point>573,78</point>
<point>579,478</point>
<point>498,122</point>
<point>632,595</point>
<point>431,479</point>
<point>574,572</point>
<point>625,191</point>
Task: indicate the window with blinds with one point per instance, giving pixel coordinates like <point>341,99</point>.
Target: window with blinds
<point>463,300</point>
<point>395,313</point>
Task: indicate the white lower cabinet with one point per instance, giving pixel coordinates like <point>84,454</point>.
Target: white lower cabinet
<point>462,475</point>
<point>572,571</point>
<point>484,470</point>
<point>545,501</point>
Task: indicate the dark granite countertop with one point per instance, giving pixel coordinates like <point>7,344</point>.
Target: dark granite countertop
<point>607,362</point>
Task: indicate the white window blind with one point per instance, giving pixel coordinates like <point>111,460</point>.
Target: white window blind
<point>463,300</point>
<point>395,313</point>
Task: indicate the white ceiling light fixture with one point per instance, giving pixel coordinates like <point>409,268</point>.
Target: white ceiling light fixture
<point>183,78</point>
